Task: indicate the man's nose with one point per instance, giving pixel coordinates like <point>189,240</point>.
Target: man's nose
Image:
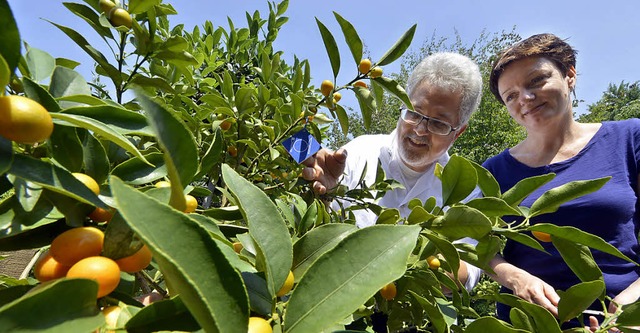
<point>421,128</point>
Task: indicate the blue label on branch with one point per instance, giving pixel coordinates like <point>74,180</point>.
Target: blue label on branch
<point>301,145</point>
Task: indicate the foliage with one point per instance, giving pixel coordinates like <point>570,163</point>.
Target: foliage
<point>617,103</point>
<point>195,95</point>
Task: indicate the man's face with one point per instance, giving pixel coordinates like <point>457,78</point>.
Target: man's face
<point>418,148</point>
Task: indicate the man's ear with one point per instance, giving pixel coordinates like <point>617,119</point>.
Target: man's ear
<point>460,131</point>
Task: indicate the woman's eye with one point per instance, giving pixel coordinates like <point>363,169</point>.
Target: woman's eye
<point>509,98</point>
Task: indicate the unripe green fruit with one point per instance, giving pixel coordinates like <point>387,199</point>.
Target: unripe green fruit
<point>106,6</point>
<point>120,17</point>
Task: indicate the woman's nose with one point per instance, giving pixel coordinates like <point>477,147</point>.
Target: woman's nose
<point>527,96</point>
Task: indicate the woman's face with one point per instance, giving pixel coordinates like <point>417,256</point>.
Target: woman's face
<point>535,91</point>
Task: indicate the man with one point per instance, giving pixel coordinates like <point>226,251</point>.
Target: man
<point>445,89</point>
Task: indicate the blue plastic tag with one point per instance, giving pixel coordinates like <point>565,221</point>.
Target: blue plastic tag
<point>301,145</point>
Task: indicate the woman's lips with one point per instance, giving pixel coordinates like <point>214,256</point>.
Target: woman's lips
<point>532,110</point>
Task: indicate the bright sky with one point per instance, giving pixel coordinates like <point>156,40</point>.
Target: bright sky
<point>606,33</point>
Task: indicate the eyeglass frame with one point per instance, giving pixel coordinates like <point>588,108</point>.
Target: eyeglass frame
<point>404,110</point>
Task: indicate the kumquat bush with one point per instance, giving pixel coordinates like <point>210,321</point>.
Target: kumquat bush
<point>159,196</point>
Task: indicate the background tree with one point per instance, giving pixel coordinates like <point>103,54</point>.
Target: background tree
<point>618,102</point>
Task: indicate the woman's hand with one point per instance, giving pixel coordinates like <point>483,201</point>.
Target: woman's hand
<point>525,285</point>
<point>534,290</point>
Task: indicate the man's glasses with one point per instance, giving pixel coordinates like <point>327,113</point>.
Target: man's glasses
<point>434,126</point>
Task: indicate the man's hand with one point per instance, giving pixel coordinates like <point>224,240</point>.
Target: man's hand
<point>324,169</point>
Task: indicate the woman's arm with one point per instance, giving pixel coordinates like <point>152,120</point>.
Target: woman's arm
<point>524,285</point>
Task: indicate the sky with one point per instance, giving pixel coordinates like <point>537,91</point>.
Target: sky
<point>605,33</point>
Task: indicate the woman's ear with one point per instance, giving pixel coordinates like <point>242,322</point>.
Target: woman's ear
<point>572,76</point>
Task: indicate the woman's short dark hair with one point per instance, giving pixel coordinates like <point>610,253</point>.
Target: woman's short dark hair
<point>545,45</point>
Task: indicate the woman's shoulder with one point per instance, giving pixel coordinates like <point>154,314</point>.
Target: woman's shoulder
<point>622,129</point>
<point>496,159</point>
<point>631,124</point>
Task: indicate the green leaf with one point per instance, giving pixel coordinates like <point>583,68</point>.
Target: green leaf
<point>120,241</point>
<point>338,282</point>
<point>153,82</point>
<point>308,220</point>
<point>113,73</point>
<point>259,296</point>
<point>487,183</point>
<point>8,295</point>
<point>229,213</point>
<point>419,215</point>
<point>75,212</point>
<point>64,62</point>
<point>67,82</point>
<point>9,37</point>
<point>343,118</point>
<point>66,147</point>
<point>141,6</point>
<point>543,320</point>
<point>183,250</point>
<point>165,315</point>
<point>551,200</point>
<point>119,119</point>
<point>448,251</point>
<point>493,207</point>
<point>521,238</point>
<point>40,64</point>
<point>53,178</point>
<point>459,179</point>
<point>91,17</point>
<point>99,128</point>
<point>351,38</point>
<point>315,243</point>
<point>486,249</point>
<point>523,188</point>
<point>388,216</point>
<point>66,305</point>
<point>82,99</point>
<point>578,298</point>
<point>178,144</point>
<point>630,315</point>
<point>40,95</point>
<point>95,160</point>
<point>578,236</point>
<point>266,227</point>
<point>367,104</point>
<point>432,311</point>
<point>6,155</point>
<point>460,221</point>
<point>395,89</point>
<point>398,48</point>
<point>136,172</point>
<point>28,230</point>
<point>519,319</point>
<point>491,324</point>
<point>331,47</point>
<point>5,75</point>
<point>579,258</point>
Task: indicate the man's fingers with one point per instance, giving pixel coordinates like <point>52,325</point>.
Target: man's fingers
<point>340,155</point>
<point>319,188</point>
<point>309,173</point>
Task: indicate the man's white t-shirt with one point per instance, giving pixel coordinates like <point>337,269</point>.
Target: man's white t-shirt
<point>368,150</point>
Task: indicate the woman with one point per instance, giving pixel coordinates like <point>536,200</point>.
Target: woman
<point>534,79</point>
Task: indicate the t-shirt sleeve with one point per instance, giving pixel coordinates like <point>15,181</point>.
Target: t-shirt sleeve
<point>634,125</point>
